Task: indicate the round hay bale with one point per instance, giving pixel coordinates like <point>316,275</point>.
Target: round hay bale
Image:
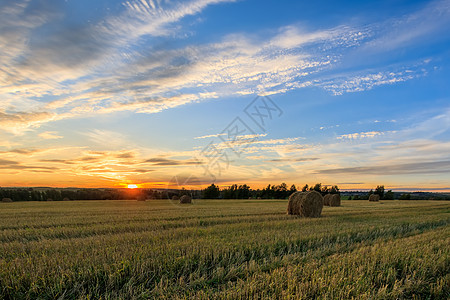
<point>7,200</point>
<point>49,199</point>
<point>293,203</point>
<point>66,199</point>
<point>311,205</point>
<point>326,199</point>
<point>374,198</point>
<point>259,198</point>
<point>185,199</point>
<point>175,198</point>
<point>335,200</point>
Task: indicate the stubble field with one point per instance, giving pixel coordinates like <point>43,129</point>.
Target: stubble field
<point>232,249</point>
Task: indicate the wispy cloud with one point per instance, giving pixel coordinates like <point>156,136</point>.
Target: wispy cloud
<point>171,162</point>
<point>351,83</point>
<point>361,135</point>
<point>93,70</point>
<point>411,168</point>
<point>210,136</point>
<point>50,135</point>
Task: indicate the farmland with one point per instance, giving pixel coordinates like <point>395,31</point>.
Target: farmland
<point>229,249</point>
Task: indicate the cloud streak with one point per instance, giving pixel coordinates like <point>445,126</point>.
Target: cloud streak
<point>109,66</point>
<point>434,167</point>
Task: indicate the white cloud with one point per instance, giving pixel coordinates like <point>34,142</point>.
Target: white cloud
<point>361,135</point>
<point>210,136</point>
<point>50,135</point>
<point>96,71</point>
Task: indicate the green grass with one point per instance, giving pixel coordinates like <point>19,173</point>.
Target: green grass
<point>223,249</point>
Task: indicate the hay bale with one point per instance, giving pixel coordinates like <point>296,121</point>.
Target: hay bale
<point>175,198</point>
<point>335,200</point>
<point>374,198</point>
<point>306,204</point>
<point>326,199</point>
<point>66,199</point>
<point>259,198</point>
<point>311,204</point>
<point>49,199</point>
<point>7,200</point>
<point>185,199</point>
<point>293,201</point>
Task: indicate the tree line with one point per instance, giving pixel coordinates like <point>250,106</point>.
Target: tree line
<point>280,191</point>
<point>51,194</point>
<point>235,191</point>
<point>384,195</point>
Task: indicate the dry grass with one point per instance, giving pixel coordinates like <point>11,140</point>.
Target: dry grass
<point>223,250</point>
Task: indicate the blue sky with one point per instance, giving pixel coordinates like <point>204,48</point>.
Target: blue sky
<point>109,93</point>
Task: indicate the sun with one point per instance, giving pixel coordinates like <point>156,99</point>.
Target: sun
<point>132,186</point>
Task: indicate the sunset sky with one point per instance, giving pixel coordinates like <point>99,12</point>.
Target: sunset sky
<point>109,93</point>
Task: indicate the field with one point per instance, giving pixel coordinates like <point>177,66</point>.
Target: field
<point>223,249</point>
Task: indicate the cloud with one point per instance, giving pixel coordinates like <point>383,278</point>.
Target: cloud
<point>210,136</point>
<point>4,162</point>
<point>10,165</point>
<point>171,162</point>
<point>61,161</point>
<point>293,159</point>
<point>420,26</point>
<point>126,155</point>
<point>107,138</point>
<point>16,121</point>
<point>113,64</point>
<point>361,135</point>
<point>351,83</point>
<point>50,135</point>
<point>25,151</point>
<point>399,169</point>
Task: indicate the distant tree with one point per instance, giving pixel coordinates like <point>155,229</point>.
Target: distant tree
<point>211,192</point>
<point>380,191</point>
<point>305,188</point>
<point>243,192</point>
<point>281,191</point>
<point>293,189</point>
<point>350,197</point>
<point>405,196</point>
<point>230,192</point>
<point>325,190</point>
<point>389,195</point>
<point>317,187</point>
<point>183,192</point>
<point>334,190</point>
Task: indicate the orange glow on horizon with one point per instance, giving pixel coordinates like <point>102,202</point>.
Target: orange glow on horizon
<point>132,186</point>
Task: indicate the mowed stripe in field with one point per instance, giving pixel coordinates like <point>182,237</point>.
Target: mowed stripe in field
<point>157,249</point>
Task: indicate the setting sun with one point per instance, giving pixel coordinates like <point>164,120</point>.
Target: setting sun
<point>132,186</point>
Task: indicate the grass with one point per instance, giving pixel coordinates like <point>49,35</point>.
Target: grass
<point>223,250</point>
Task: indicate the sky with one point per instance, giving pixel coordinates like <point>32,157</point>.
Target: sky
<point>188,93</point>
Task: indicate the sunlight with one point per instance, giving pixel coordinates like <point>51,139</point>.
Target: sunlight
<point>132,186</point>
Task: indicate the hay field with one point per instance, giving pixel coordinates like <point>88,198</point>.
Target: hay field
<point>223,249</point>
